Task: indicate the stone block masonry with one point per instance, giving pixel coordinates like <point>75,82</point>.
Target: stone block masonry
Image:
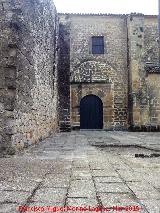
<point>64,74</point>
<point>119,77</point>
<point>144,86</point>
<point>102,75</point>
<point>28,70</point>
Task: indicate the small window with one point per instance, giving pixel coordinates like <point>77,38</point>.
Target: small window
<point>97,45</point>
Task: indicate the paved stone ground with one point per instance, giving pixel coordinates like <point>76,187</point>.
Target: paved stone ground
<point>93,168</point>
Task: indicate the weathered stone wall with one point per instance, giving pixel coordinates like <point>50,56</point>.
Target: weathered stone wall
<point>144,86</point>
<point>107,74</point>
<point>28,69</point>
<point>7,75</point>
<point>150,39</point>
<point>152,79</point>
<point>64,73</point>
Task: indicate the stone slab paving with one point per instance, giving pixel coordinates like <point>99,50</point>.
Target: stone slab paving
<point>81,169</point>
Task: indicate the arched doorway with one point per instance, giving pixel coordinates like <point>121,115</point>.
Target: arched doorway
<point>91,112</point>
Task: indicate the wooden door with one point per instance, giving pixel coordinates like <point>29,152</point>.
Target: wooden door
<point>91,112</point>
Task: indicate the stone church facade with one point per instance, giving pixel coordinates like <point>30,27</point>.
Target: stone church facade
<point>68,71</point>
<point>123,75</point>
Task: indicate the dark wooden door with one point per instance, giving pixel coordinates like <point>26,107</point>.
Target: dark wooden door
<point>91,112</point>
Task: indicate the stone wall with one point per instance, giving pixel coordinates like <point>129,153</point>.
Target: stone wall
<point>7,75</point>
<point>144,86</point>
<point>64,73</point>
<point>103,75</point>
<point>28,68</point>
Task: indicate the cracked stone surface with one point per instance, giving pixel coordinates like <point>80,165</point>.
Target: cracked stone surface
<point>85,168</point>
